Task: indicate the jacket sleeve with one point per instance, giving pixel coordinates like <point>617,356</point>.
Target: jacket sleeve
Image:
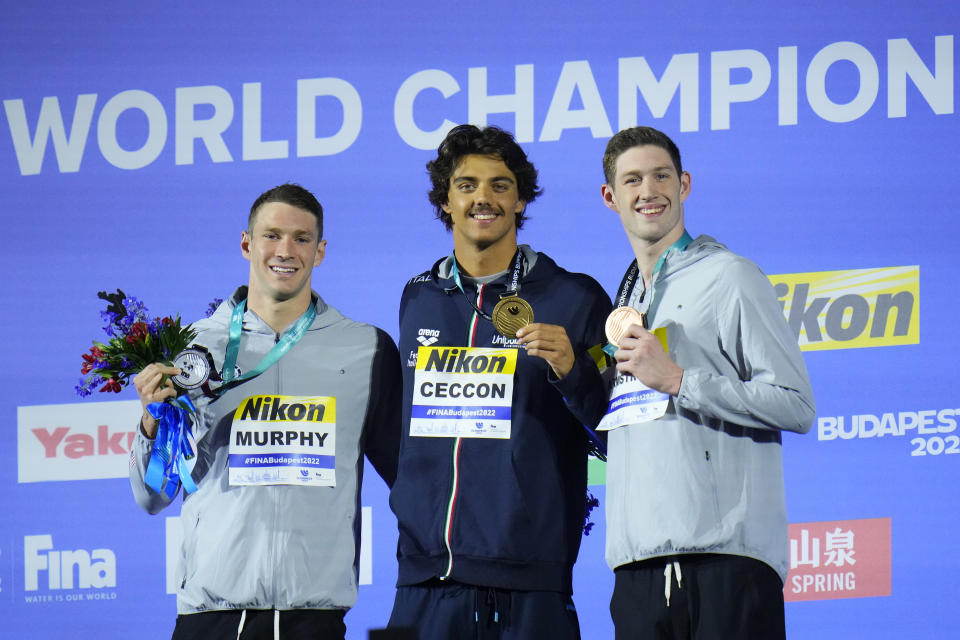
<point>583,389</point>
<point>771,389</point>
<point>151,501</point>
<point>382,425</point>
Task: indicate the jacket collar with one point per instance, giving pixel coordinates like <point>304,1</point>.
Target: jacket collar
<point>442,271</point>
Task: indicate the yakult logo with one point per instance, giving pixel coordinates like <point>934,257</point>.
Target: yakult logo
<point>851,309</point>
<point>82,441</point>
<point>66,569</point>
<point>841,559</point>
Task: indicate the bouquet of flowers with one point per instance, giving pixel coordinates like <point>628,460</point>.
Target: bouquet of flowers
<point>135,340</point>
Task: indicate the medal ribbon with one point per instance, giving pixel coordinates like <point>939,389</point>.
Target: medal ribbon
<point>174,450</point>
<point>285,343</point>
<point>630,279</point>
<point>512,289</point>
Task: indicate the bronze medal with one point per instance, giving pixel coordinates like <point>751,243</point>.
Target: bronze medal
<point>510,314</point>
<point>619,321</point>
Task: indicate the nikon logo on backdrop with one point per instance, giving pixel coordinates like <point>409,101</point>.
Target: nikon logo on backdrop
<point>850,309</point>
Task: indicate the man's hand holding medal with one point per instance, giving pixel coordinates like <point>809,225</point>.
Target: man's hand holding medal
<point>640,353</point>
<point>154,384</point>
<point>550,342</point>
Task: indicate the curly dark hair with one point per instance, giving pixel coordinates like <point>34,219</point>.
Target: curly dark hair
<point>468,139</point>
<point>293,195</point>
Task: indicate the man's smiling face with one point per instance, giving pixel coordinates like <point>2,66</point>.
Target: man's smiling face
<point>648,194</point>
<point>283,247</point>
<point>483,202</point>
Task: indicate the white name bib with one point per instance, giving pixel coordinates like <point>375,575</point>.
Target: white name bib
<point>632,401</point>
<point>464,392</point>
<point>284,440</point>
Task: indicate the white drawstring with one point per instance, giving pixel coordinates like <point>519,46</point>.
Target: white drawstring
<point>276,624</point>
<point>672,567</point>
<point>243,619</point>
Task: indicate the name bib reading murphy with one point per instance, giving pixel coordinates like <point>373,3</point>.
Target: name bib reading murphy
<point>632,401</point>
<point>284,440</point>
<point>463,392</point>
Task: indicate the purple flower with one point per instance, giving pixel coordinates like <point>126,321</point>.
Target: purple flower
<point>216,302</point>
<point>133,310</point>
<point>591,503</point>
<point>157,325</point>
<point>111,320</point>
<point>87,385</point>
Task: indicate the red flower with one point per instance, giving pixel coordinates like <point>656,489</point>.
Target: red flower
<point>92,359</point>
<point>112,385</point>
<point>138,332</point>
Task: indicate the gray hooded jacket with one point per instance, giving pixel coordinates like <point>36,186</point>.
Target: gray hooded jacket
<point>283,546</point>
<point>708,476</point>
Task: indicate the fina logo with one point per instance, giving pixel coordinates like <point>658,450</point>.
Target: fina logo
<point>428,337</point>
<point>67,569</point>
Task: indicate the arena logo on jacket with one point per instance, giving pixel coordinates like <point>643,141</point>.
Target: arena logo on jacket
<point>284,440</point>
<point>853,308</point>
<point>428,337</point>
<point>463,392</point>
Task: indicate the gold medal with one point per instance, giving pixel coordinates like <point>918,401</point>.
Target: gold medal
<point>619,321</point>
<point>510,314</point>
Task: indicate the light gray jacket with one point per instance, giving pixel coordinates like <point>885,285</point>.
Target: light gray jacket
<point>708,476</point>
<point>283,546</point>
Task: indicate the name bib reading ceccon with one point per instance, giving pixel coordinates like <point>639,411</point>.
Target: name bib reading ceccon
<point>284,440</point>
<point>463,392</point>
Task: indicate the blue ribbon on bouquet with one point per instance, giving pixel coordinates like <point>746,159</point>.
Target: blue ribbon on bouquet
<point>174,449</point>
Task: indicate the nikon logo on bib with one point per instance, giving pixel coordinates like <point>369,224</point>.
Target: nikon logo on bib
<point>463,392</point>
<point>284,440</point>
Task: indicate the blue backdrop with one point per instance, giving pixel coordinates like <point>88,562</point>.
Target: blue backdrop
<point>821,142</point>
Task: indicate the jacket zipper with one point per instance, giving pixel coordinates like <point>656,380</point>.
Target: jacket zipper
<point>455,480</point>
<point>275,551</point>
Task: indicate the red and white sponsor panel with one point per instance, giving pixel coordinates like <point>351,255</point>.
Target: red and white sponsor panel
<point>80,441</point>
<point>839,559</point>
